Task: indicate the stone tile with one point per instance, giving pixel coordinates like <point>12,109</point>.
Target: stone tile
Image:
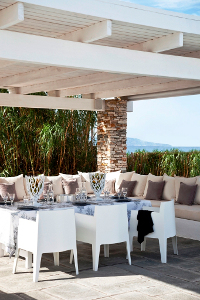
<point>180,296</point>
<point>133,296</point>
<point>37,295</point>
<point>73,290</point>
<point>158,290</point>
<point>178,273</point>
<point>9,296</point>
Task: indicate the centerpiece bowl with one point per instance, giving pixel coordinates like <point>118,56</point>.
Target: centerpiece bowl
<point>35,186</point>
<point>97,182</point>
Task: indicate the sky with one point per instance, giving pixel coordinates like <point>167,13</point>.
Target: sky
<point>173,121</point>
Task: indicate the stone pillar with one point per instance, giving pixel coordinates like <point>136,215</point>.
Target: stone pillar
<point>111,136</point>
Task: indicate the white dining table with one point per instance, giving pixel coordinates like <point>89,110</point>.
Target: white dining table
<point>10,215</point>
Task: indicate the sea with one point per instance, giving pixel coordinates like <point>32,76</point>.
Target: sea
<point>159,148</point>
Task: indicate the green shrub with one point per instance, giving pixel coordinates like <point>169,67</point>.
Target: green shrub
<point>173,162</point>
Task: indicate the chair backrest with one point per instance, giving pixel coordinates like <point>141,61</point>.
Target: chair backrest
<point>167,212</point>
<point>111,223</point>
<point>56,230</point>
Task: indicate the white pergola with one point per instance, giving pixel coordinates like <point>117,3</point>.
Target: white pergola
<point>98,48</point>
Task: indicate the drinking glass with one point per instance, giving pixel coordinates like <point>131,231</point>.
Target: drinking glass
<point>107,193</point>
<point>77,194</point>
<point>124,192</point>
<point>26,200</point>
<point>12,198</point>
<point>5,198</point>
<point>119,193</point>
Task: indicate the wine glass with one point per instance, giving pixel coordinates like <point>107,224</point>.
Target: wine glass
<point>119,193</point>
<point>77,194</point>
<point>108,193</point>
<point>12,198</point>
<point>124,192</point>
<point>5,198</point>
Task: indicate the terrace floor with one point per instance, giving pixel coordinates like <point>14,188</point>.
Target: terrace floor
<point>146,279</point>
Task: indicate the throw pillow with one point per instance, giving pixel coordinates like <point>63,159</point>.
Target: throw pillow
<point>68,176</point>
<point>138,191</point>
<point>154,179</point>
<point>197,197</point>
<point>70,186</point>
<point>110,185</point>
<point>129,185</point>
<point>169,191</point>
<point>7,188</point>
<point>123,176</point>
<point>188,181</point>
<point>186,194</point>
<point>19,185</point>
<point>155,190</point>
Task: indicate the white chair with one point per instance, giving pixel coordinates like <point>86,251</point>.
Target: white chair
<point>53,232</point>
<point>109,225</point>
<point>164,227</point>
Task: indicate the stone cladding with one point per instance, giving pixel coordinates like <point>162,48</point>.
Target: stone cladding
<point>111,136</point>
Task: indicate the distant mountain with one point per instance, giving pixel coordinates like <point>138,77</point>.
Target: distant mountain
<point>137,142</point>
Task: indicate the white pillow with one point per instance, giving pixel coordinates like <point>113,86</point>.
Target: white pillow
<point>123,176</point>
<point>86,178</point>
<point>138,191</point>
<point>178,180</point>
<point>19,184</point>
<point>113,175</point>
<point>152,178</point>
<point>197,197</point>
<point>57,184</point>
<point>169,191</point>
<point>67,176</point>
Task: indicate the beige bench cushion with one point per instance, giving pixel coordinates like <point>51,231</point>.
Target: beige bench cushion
<point>122,176</point>
<point>138,191</point>
<point>19,184</point>
<point>188,212</point>
<point>169,191</point>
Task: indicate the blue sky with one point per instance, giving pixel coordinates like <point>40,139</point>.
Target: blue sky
<point>174,121</point>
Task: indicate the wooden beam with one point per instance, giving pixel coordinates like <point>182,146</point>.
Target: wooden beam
<point>126,12</point>
<point>5,63</point>
<point>11,15</point>
<point>30,77</point>
<point>36,50</point>
<point>112,86</point>
<point>168,42</point>
<point>167,94</point>
<point>71,82</point>
<point>91,33</point>
<point>154,88</point>
<point>29,101</point>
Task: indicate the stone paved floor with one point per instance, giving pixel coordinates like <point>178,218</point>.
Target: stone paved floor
<point>145,279</point>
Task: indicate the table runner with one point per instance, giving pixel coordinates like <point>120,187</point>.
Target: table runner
<point>9,217</point>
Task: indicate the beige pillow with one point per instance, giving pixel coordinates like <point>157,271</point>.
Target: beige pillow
<point>57,184</point>
<point>123,176</point>
<point>154,179</point>
<point>188,181</point>
<point>86,178</point>
<point>197,197</point>
<point>68,176</point>
<point>19,184</point>
<point>113,175</point>
<point>140,185</point>
<point>169,191</point>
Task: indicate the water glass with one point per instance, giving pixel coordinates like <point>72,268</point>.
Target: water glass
<point>5,198</point>
<point>26,200</point>
<point>124,192</point>
<point>119,193</point>
<point>12,198</point>
<point>77,194</point>
<point>51,197</point>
